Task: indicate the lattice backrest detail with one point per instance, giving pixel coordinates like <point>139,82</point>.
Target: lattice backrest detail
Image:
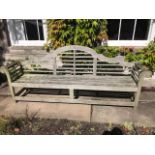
<point>81,60</point>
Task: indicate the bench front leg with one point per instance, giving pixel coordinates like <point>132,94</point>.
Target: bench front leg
<point>12,89</point>
<point>137,96</point>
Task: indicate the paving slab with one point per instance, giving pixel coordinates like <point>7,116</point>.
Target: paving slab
<point>46,110</point>
<point>111,114</point>
<point>144,115</point>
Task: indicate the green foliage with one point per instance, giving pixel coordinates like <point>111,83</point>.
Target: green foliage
<point>149,55</point>
<point>137,57</point>
<point>107,51</point>
<point>60,32</point>
<point>146,56</point>
<point>86,32</point>
<point>89,32</point>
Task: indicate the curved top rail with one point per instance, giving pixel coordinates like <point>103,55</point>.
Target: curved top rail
<point>76,48</point>
<point>117,59</point>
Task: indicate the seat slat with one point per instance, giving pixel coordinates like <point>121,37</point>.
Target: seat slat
<point>81,83</point>
<point>46,77</point>
<point>76,87</point>
<point>85,81</point>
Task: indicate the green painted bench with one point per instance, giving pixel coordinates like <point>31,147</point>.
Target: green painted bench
<point>78,68</point>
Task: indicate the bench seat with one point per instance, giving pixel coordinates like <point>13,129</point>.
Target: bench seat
<point>107,83</point>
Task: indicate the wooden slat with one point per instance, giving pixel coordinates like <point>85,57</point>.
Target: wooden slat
<point>14,68</point>
<point>119,102</point>
<point>66,77</point>
<point>65,68</point>
<point>82,82</point>
<point>76,64</point>
<point>82,57</point>
<point>39,71</point>
<point>124,88</point>
<point>88,80</point>
<point>84,72</point>
<point>16,71</point>
<point>12,64</point>
<point>76,77</point>
<point>61,71</point>
<point>76,55</point>
<point>98,72</point>
<point>81,68</point>
<point>15,77</point>
<point>110,69</point>
<point>77,60</point>
<point>89,83</point>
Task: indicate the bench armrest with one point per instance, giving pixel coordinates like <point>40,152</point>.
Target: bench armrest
<point>139,72</point>
<point>13,71</point>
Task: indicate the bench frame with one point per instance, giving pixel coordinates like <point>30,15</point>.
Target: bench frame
<point>137,73</point>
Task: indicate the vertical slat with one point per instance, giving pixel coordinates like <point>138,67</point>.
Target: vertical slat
<point>74,64</point>
<point>94,66</point>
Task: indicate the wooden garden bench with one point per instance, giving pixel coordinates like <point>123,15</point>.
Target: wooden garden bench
<point>81,69</point>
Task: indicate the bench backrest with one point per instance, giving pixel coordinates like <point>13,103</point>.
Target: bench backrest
<point>80,60</point>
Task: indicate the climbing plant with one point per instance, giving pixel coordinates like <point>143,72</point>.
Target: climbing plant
<point>87,32</point>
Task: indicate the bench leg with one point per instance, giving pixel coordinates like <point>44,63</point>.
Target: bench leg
<point>137,96</point>
<point>71,93</point>
<point>12,91</point>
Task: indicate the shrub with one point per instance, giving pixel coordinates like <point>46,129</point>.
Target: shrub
<point>146,56</point>
<point>107,51</point>
<point>149,55</point>
<point>86,32</point>
<point>135,56</point>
